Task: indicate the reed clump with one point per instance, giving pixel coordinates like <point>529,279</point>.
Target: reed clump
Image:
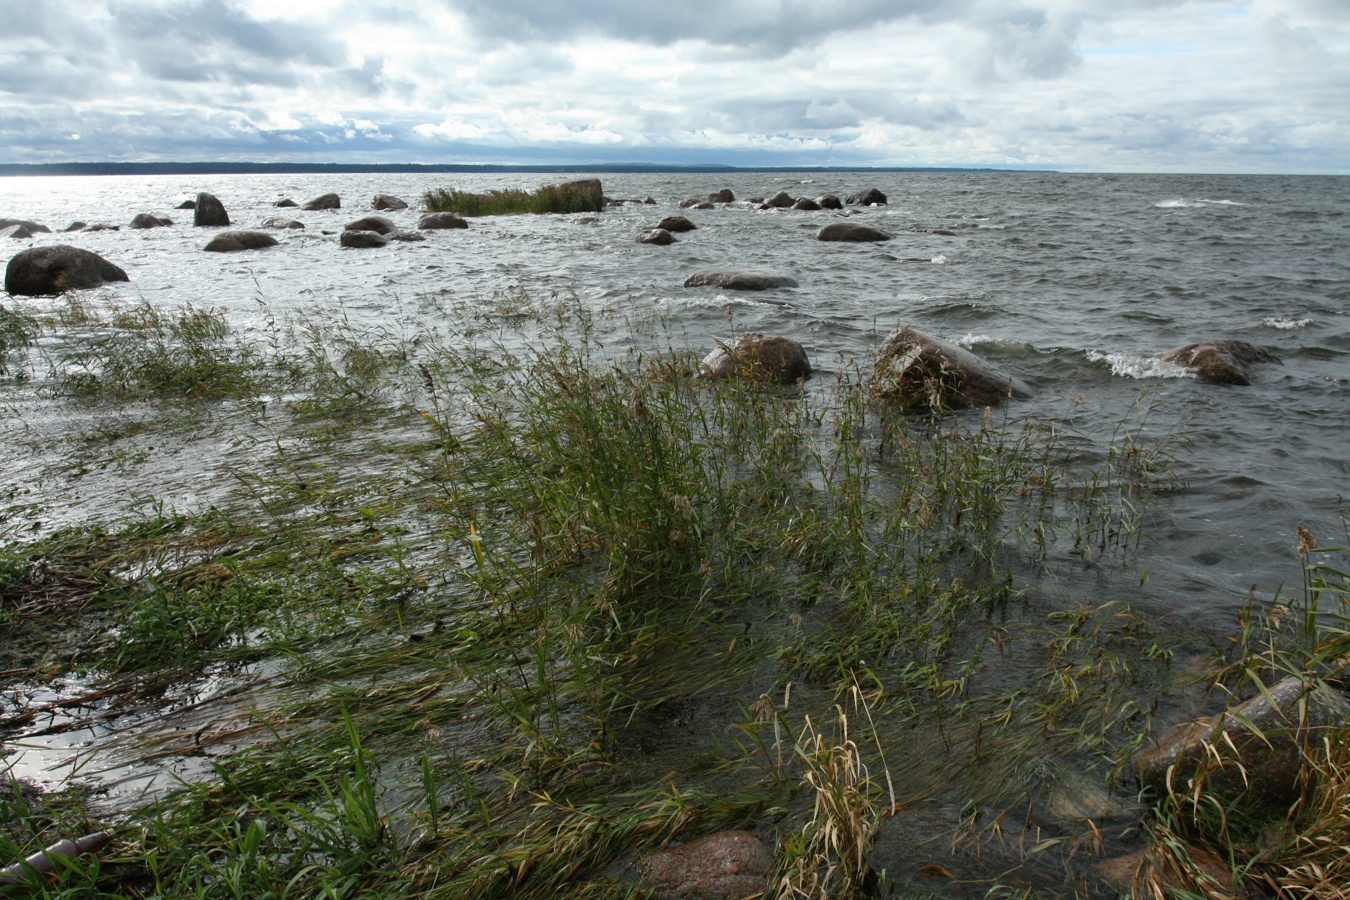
<point>584,196</point>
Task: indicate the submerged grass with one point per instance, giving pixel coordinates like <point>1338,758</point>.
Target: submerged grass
<point>572,197</point>
<point>464,591</point>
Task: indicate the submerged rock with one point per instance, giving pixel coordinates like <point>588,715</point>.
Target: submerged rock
<point>75,226</point>
<point>1221,362</point>
<point>187,204</point>
<point>867,197</point>
<point>407,236</point>
<point>16,231</point>
<point>758,356</point>
<point>436,221</point>
<point>210,212</point>
<point>851,231</point>
<point>388,201</point>
<point>739,279</point>
<point>676,224</point>
<point>377,224</point>
<point>658,236</point>
<point>363,239</point>
<point>916,371</point>
<point>278,222</point>
<point>806,204</point>
<point>325,201</point>
<point>235,241</point>
<point>728,865</point>
<point>45,271</point>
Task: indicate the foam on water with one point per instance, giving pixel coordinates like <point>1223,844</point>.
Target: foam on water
<point>1284,323</point>
<point>1183,202</point>
<point>1130,365</point>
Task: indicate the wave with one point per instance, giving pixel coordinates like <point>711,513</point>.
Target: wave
<point>1284,323</point>
<point>1183,202</point>
<point>1131,365</point>
<point>719,301</point>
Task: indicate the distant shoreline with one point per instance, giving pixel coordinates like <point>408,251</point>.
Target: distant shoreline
<point>245,168</point>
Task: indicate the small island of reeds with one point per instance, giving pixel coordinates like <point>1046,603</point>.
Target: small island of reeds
<point>585,195</point>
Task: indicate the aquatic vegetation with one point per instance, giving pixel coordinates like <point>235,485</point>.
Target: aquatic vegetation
<point>17,332</point>
<point>572,197</point>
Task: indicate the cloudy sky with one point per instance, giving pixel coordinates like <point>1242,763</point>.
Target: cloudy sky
<point>1103,85</point>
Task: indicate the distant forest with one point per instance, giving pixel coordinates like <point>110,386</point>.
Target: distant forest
<point>282,168</point>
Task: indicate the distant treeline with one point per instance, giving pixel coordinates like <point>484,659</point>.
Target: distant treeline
<point>282,168</point>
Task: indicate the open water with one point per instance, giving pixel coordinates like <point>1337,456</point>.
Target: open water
<point>1075,283</point>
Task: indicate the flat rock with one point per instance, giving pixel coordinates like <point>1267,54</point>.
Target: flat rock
<point>739,279</point>
<point>55,269</point>
<point>388,201</point>
<point>324,201</point>
<point>1221,362</point>
<point>363,239</point>
<point>659,236</point>
<point>851,231</point>
<point>759,357</point>
<point>728,865</point>
<point>377,224</point>
<point>236,241</point>
<point>916,371</point>
<point>408,236</point>
<point>440,220</point>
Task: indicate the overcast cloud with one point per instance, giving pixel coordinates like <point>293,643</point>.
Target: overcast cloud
<point>1105,85</point>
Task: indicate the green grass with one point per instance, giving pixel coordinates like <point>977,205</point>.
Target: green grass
<point>576,197</point>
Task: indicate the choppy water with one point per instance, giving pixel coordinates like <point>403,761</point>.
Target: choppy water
<point>1074,282</point>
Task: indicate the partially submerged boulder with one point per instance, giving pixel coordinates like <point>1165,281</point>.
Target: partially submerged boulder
<point>829,201</point>
<point>387,202</point>
<point>781,200</point>
<point>16,231</point>
<point>436,221</point>
<point>658,236</point>
<point>32,227</point>
<point>676,224</point>
<point>757,356</point>
<point>916,371</point>
<point>286,203</point>
<point>150,220</point>
<point>851,231</point>
<point>363,239</point>
<point>235,241</point>
<point>377,224</point>
<point>723,196</point>
<point>739,279</point>
<point>1253,750</point>
<point>806,203</point>
<point>209,212</point>
<point>1221,362</point>
<point>279,222</point>
<point>55,269</point>
<point>407,236</point>
<point>77,225</point>
<point>324,201</point>
<point>187,204</point>
<point>867,197</point>
<point>728,865</point>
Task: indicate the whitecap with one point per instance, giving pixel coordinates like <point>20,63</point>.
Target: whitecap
<point>1130,365</point>
<point>970,340</point>
<point>1284,323</point>
<point>939,260</point>
<point>1183,202</point>
<point>718,302</point>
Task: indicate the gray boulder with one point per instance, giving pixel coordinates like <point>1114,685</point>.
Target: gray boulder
<point>723,196</point>
<point>739,279</point>
<point>234,241</point>
<point>676,224</point>
<point>286,203</point>
<point>149,220</point>
<point>77,225</point>
<point>45,271</point>
<point>806,203</point>
<point>363,239</point>
<point>759,357</point>
<point>19,232</point>
<point>377,224</point>
<point>728,865</point>
<point>780,200</point>
<point>867,197</point>
<point>326,201</point>
<point>851,231</point>
<point>387,202</point>
<point>210,212</point>
<point>916,371</point>
<point>440,220</point>
<point>1221,362</point>
<point>33,227</point>
<point>659,236</point>
<point>279,222</point>
<point>829,201</point>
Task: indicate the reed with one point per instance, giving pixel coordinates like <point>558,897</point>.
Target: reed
<point>573,197</point>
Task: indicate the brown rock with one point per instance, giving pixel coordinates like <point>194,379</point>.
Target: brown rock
<point>363,239</point>
<point>235,241</point>
<point>659,236</point>
<point>387,202</point>
<point>918,372</point>
<point>676,224</point>
<point>377,224</point>
<point>1221,362</point>
<point>723,196</point>
<point>728,865</point>
<point>851,231</point>
<point>326,201</point>
<point>440,220</point>
<point>55,269</point>
<point>780,200</point>
<point>759,357</point>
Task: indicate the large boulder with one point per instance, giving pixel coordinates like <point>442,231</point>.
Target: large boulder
<point>676,224</point>
<point>150,220</point>
<point>723,196</point>
<point>739,279</point>
<point>209,212</point>
<point>781,200</point>
<point>829,201</point>
<point>728,865</point>
<point>32,227</point>
<point>851,231</point>
<point>388,202</point>
<point>363,239</point>
<point>325,201</point>
<point>436,221</point>
<point>658,236</point>
<point>1221,362</point>
<point>758,357</point>
<point>867,197</point>
<point>1253,751</point>
<point>234,241</point>
<point>916,371</point>
<point>55,269</point>
<point>377,224</point>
